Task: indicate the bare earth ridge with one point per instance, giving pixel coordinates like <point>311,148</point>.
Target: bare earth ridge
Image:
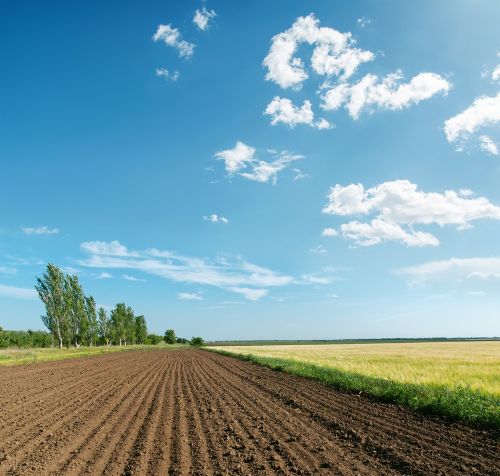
<point>196,412</point>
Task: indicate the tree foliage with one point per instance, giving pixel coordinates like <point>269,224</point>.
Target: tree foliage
<point>169,336</point>
<point>197,341</point>
<point>72,318</point>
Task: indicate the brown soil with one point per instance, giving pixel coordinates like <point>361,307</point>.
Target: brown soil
<point>195,412</point>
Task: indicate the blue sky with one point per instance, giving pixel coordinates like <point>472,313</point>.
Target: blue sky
<point>271,170</point>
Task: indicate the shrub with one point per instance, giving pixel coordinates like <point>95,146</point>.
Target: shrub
<point>197,341</point>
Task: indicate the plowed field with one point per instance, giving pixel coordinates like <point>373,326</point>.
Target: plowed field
<point>195,412</point>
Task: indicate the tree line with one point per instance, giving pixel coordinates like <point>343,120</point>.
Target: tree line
<point>72,318</point>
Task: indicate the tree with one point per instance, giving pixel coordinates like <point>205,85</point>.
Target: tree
<point>75,303</point>
<point>169,337</point>
<point>51,289</point>
<point>197,341</point>
<point>141,330</point>
<point>118,323</point>
<point>93,326</point>
<point>104,325</point>
<point>182,340</point>
<point>4,339</point>
<point>153,339</point>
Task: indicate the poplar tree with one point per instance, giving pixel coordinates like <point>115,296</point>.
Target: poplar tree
<point>90,312</point>
<point>141,330</point>
<point>118,321</point>
<point>75,303</point>
<point>104,326</point>
<point>51,289</point>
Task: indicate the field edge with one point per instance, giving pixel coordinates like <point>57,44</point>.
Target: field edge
<point>461,404</point>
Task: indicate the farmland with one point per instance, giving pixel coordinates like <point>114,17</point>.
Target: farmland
<point>458,379</point>
<point>186,411</point>
<point>15,356</point>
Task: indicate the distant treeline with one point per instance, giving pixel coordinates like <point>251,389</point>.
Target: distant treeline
<point>42,339</point>
<point>351,341</point>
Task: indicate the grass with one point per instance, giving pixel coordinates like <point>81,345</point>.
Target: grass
<point>459,380</point>
<point>14,356</point>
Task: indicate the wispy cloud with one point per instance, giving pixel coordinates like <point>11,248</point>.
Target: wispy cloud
<point>15,292</point>
<point>453,270</point>
<point>236,275</point>
<point>127,277</point>
<point>104,275</point>
<point>214,218</point>
<point>40,230</point>
<point>166,74</point>
<point>172,37</point>
<point>242,160</point>
<point>190,296</point>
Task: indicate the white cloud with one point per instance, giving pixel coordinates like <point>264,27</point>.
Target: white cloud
<point>318,250</point>
<point>495,76</point>
<point>250,293</point>
<point>15,292</point>
<point>378,231</point>
<point>484,112</point>
<point>475,293</point>
<point>104,275</point>
<point>213,218</point>
<point>203,17</point>
<point>334,53</point>
<point>363,22</point>
<point>237,158</point>
<point>264,172</point>
<point>488,145</point>
<point>398,206</point>
<point>329,232</point>
<point>337,59</point>
<point>113,248</point>
<point>282,110</point>
<point>299,175</point>
<point>40,230</point>
<point>166,74</point>
<point>190,296</point>
<point>453,269</point>
<point>237,276</point>
<point>242,160</point>
<point>7,270</point>
<point>127,277</point>
<point>172,37</point>
<point>332,296</point>
<point>389,93</point>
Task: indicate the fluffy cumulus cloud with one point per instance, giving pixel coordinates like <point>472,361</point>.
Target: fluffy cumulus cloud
<point>166,74</point>
<point>453,269</point>
<point>173,38</point>
<point>388,93</point>
<point>483,112</point>
<point>398,206</point>
<point>237,275</point>
<point>242,160</point>
<point>337,59</point>
<point>214,218</point>
<point>40,230</point>
<point>282,110</point>
<point>203,18</point>
<point>334,53</point>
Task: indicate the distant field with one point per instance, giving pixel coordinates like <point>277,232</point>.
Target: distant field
<point>460,379</point>
<point>27,356</point>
